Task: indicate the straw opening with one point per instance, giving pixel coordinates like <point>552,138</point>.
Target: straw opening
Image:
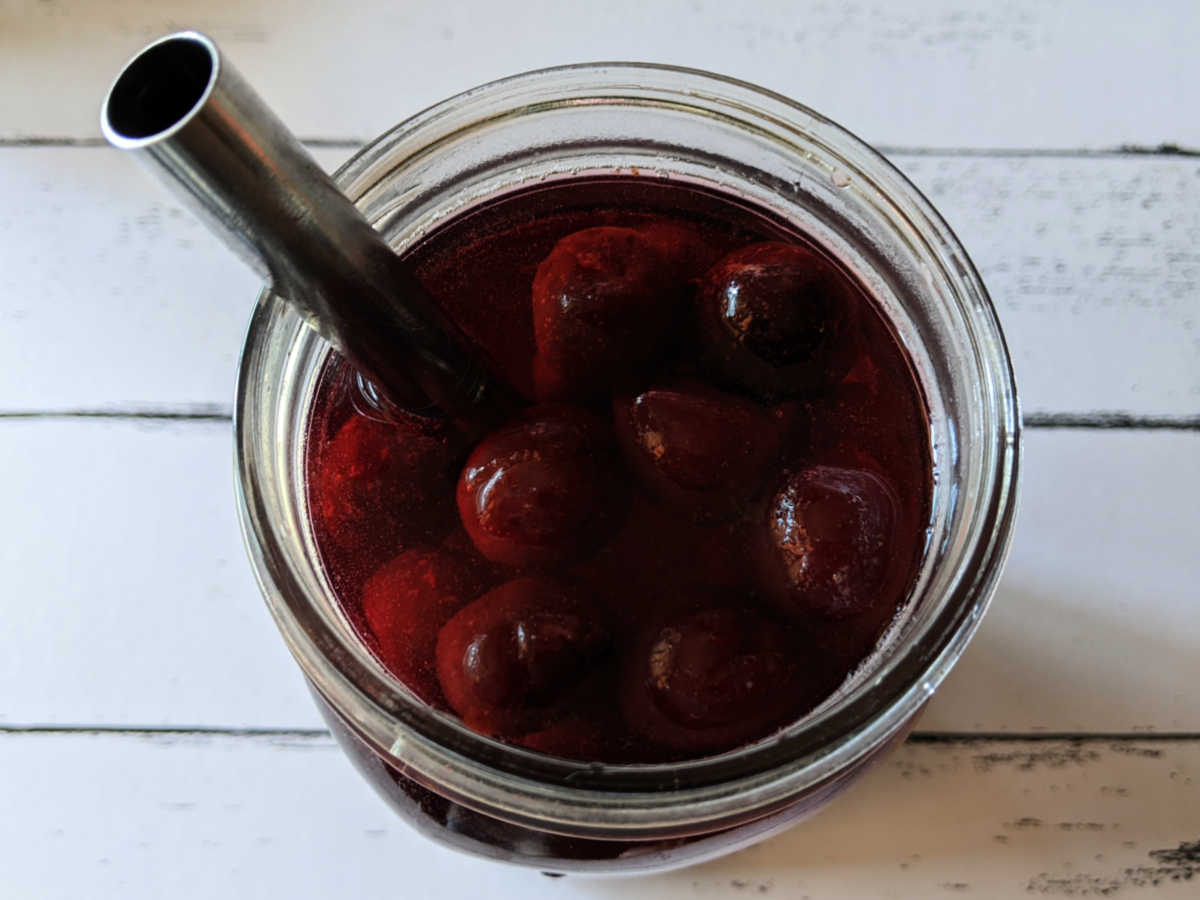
<point>160,88</point>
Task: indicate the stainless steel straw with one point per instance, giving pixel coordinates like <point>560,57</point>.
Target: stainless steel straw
<point>186,112</point>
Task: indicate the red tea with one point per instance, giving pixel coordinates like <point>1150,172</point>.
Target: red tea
<point>711,508</point>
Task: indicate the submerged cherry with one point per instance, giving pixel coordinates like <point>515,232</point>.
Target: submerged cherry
<point>827,541</point>
<point>407,602</point>
<point>603,301</point>
<point>381,486</point>
<point>709,678</point>
<point>777,319</point>
<point>540,490</point>
<point>697,447</point>
<point>516,651</point>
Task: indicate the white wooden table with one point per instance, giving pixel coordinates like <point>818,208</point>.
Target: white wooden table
<point>156,741</point>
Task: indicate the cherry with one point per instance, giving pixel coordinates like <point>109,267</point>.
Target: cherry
<point>711,678</point>
<point>515,651</point>
<point>696,447</point>
<point>602,302</point>
<point>381,486</point>
<point>407,602</point>
<point>539,490</point>
<point>777,319</point>
<point>827,542</point>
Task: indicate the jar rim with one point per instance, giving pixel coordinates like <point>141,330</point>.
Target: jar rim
<point>590,799</point>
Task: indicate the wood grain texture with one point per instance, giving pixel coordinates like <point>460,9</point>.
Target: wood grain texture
<point>1093,264</point>
<point>940,73</point>
<point>1094,268</point>
<point>120,816</point>
<point>130,601</point>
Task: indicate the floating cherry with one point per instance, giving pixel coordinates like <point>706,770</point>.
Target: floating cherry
<point>777,319</point>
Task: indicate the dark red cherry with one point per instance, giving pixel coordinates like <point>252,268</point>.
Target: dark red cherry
<point>777,319</point>
<point>709,679</point>
<point>696,447</point>
<point>407,602</point>
<point>827,541</point>
<point>515,651</point>
<point>379,487</point>
<point>540,490</point>
<point>602,301</point>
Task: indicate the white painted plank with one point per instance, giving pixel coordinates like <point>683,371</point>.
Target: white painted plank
<point>1094,267</point>
<point>111,294</point>
<point>1096,625</point>
<point>122,816</point>
<point>924,73</point>
<point>127,594</point>
<point>130,601</point>
<point>1093,263</point>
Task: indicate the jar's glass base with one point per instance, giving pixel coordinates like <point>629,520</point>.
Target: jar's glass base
<point>469,831</point>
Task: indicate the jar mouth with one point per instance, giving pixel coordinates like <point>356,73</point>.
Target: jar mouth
<point>678,798</point>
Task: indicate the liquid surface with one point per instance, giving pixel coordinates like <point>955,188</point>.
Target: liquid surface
<point>712,507</point>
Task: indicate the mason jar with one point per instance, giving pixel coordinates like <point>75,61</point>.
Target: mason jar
<point>507,803</point>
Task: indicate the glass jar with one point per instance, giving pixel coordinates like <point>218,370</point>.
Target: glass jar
<point>558,815</point>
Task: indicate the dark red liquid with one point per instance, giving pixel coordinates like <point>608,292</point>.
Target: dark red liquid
<point>711,510</point>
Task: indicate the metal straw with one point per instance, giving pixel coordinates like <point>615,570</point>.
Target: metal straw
<point>184,110</point>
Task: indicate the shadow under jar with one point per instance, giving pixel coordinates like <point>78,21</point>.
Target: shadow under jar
<point>786,165</point>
